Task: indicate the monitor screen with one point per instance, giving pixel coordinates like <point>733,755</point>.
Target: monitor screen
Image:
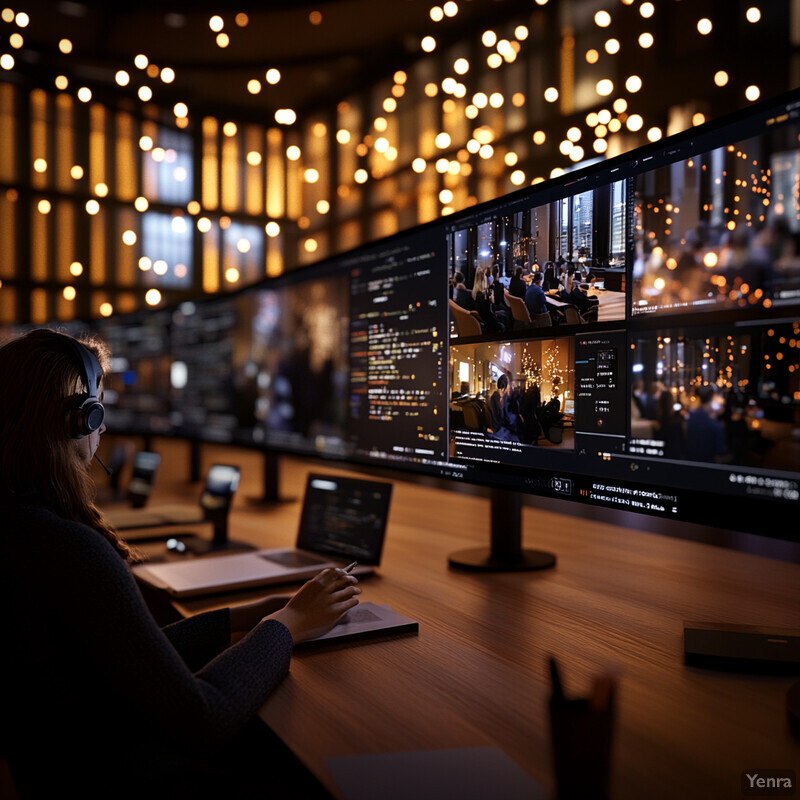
<point>626,335</point>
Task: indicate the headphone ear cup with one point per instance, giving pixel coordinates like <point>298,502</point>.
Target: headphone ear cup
<point>86,418</point>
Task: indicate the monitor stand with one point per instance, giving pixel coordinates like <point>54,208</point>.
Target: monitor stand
<point>182,544</point>
<point>271,486</point>
<point>506,553</point>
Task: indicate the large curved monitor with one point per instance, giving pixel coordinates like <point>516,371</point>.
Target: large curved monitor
<point>626,335</point>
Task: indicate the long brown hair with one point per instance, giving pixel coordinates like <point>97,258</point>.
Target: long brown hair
<point>40,381</point>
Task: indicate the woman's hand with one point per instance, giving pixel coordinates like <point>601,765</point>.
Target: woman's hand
<point>318,605</point>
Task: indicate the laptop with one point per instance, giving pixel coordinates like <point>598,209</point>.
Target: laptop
<point>343,520</point>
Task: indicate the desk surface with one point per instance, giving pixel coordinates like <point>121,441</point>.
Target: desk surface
<point>476,673</point>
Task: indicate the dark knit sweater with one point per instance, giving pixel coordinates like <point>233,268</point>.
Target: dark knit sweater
<point>94,694</point>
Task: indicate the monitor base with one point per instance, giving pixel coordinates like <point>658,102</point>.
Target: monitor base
<point>481,559</point>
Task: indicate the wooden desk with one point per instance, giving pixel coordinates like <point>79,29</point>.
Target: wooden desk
<point>476,672</point>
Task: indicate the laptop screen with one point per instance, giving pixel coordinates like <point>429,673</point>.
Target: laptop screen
<point>345,517</point>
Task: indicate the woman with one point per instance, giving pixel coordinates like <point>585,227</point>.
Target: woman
<point>95,696</point>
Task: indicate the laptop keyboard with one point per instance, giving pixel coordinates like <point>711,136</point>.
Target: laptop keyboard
<point>292,558</point>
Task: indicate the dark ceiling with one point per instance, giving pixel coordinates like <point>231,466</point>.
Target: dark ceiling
<point>355,43</point>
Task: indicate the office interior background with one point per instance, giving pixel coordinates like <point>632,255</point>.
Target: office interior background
<point>153,152</point>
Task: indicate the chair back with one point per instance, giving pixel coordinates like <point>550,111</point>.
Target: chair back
<point>466,324</point>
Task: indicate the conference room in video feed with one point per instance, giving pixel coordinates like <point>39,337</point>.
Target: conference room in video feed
<point>527,378</point>
<point>716,378</point>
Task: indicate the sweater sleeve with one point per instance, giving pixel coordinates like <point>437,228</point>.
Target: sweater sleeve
<point>200,638</point>
<point>100,606</point>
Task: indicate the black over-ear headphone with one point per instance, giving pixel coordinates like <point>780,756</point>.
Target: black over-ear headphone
<point>88,414</point>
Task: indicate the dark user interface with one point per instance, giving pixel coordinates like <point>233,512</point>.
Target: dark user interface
<point>345,517</point>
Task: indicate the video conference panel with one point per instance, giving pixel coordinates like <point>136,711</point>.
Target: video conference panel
<point>626,335</point>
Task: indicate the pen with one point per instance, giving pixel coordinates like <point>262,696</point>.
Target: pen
<point>349,568</point>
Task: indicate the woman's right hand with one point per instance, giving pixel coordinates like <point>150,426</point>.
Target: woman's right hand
<point>318,605</point>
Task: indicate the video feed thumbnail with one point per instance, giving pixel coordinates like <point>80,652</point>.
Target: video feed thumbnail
<point>561,262</point>
<point>721,229</point>
<point>298,364</point>
<point>511,394</point>
<point>728,398</point>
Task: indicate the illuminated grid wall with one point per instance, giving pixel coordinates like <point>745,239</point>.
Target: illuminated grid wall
<point>113,198</point>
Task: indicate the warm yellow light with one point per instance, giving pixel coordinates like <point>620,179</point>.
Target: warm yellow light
<point>489,39</point>
<point>361,176</point>
<point>602,19</point>
<point>273,76</point>
<point>389,105</point>
<point>160,267</point>
<point>592,56</point>
<point>253,158</point>
<point>223,40</point>
<point>436,13</point>
<point>65,46</point>
<point>253,86</point>
<point>511,159</point>
<point>152,297</point>
<point>539,137</point>
<point>323,206</point>
<point>521,32</point>
<point>647,10</point>
<point>721,78</point>
<point>311,175</point>
<point>101,189</point>
<point>576,154</point>
<point>76,269</point>
<point>517,177</point>
<point>167,75</point>
<point>428,44</point>
<point>486,151</point>
<point>400,77</point>
<point>193,207</point>
<point>431,89</point>
<point>496,100</point>
<point>44,206</point>
<point>646,40</point>
<point>604,87</point>
<point>704,26</point>
<point>216,23</point>
<point>141,204</point>
<point>158,154</point>
<point>494,60</point>
<point>604,116</point>
<point>442,140</point>
<point>654,134</point>
<point>612,46</point>
<point>752,93</point>
<point>204,224</point>
<point>145,264</point>
<point>451,8</point>
<point>84,94</point>
<point>76,172</point>
<point>518,99</point>
<point>574,134</point>
<point>122,78</point>
<point>419,165</point>
<point>145,94</point>
<point>753,14</point>
<point>633,84</point>
<point>285,116</point>
<point>40,165</point>
<point>293,152</point>
<point>614,125</point>
<point>243,245</point>
<point>461,66</point>
<point>698,118</point>
<point>141,61</point>
<point>129,237</point>
<point>445,196</point>
<point>600,146</point>
<point>551,94</point>
<point>92,207</point>
<point>310,245</point>
<point>565,147</point>
<point>272,229</point>
<point>69,293</point>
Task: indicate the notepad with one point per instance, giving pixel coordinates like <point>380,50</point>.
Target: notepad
<point>364,621</point>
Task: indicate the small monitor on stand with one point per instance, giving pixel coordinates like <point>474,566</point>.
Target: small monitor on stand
<point>215,500</point>
<point>145,466</point>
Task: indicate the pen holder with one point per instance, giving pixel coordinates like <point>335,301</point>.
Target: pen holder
<point>581,736</point>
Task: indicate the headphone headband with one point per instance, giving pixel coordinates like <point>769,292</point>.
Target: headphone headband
<point>87,416</point>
